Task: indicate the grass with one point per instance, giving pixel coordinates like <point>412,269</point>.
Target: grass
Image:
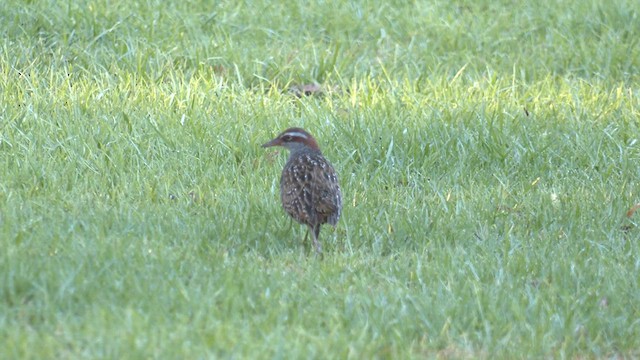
<point>487,153</point>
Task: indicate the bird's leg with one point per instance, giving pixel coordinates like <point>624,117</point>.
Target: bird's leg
<point>304,241</point>
<point>316,243</point>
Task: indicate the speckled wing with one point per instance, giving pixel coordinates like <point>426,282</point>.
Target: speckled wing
<point>326,195</point>
<point>309,190</point>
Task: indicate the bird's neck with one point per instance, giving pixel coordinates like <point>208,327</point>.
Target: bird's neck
<point>300,150</point>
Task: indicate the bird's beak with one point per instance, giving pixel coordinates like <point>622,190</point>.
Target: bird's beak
<point>273,142</point>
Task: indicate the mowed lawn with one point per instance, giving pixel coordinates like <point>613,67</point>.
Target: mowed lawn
<point>487,151</point>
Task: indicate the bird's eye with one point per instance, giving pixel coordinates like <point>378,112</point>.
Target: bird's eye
<point>286,138</point>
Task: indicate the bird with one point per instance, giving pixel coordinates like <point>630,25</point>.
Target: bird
<point>309,187</point>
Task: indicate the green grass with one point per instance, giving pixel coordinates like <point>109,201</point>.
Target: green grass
<point>487,151</point>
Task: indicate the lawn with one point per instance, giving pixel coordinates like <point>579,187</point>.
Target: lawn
<point>487,152</point>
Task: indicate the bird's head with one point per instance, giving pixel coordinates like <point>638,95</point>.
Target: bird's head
<point>294,139</point>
